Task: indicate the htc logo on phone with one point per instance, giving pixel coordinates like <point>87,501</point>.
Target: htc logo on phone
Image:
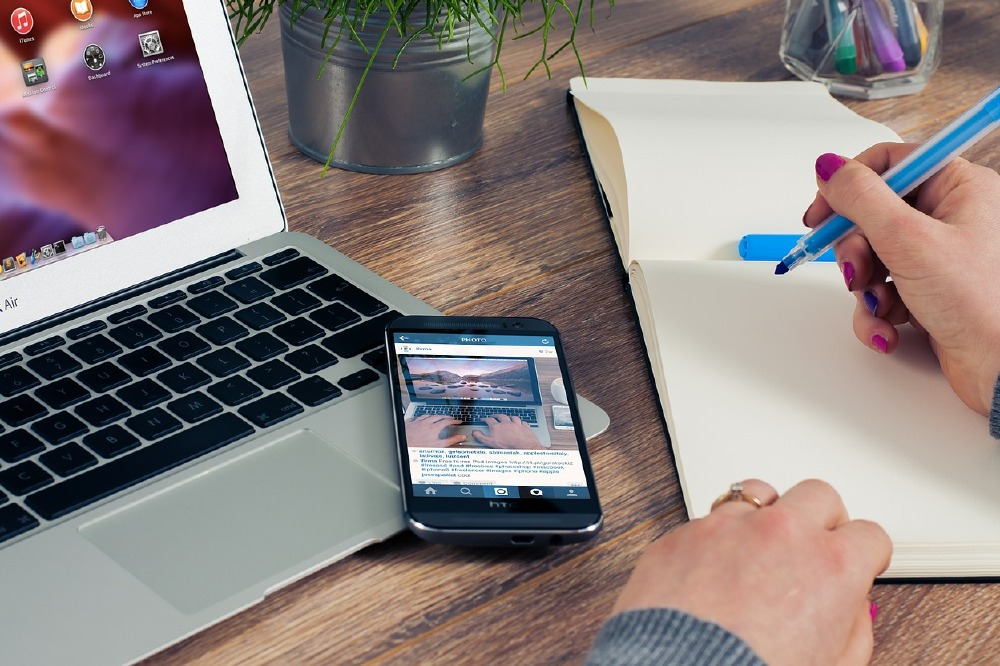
<point>495,504</point>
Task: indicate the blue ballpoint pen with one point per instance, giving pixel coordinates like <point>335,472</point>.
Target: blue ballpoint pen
<point>911,171</point>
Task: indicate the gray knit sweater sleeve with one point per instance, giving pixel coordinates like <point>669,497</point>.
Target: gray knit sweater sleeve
<point>654,636</point>
<point>995,411</point>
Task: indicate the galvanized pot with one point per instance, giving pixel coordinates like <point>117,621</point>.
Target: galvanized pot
<point>423,114</point>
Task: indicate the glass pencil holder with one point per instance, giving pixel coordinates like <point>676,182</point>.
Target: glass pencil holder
<point>869,49</point>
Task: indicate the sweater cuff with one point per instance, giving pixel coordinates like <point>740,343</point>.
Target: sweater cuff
<point>995,411</point>
<point>667,636</point>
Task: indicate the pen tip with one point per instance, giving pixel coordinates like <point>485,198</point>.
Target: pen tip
<point>781,268</point>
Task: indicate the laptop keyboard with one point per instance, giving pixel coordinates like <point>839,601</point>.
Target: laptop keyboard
<point>117,401</point>
<point>474,414</point>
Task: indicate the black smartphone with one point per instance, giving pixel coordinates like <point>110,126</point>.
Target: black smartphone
<point>481,461</point>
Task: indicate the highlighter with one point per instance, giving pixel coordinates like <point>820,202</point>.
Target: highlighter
<point>841,35</point>
<point>906,29</point>
<point>883,38</point>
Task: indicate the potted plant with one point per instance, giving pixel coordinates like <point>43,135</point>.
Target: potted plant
<point>400,86</point>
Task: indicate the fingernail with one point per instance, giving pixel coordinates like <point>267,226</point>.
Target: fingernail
<point>880,343</point>
<point>871,302</point>
<point>827,165</point>
<point>873,611</point>
<point>848,269</point>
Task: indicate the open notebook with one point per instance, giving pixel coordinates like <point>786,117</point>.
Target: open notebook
<point>758,375</point>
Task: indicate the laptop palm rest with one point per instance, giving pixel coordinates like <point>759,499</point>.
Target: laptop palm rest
<point>247,522</point>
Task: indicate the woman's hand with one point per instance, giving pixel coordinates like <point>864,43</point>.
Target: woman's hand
<point>932,260</point>
<point>791,578</point>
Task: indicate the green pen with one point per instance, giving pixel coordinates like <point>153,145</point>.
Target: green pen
<point>841,33</point>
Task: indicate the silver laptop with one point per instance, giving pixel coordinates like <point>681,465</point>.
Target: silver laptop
<point>471,390</point>
<point>192,404</point>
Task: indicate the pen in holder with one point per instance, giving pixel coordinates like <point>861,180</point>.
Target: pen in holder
<point>869,49</point>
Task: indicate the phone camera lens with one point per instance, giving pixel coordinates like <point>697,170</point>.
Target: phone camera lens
<point>518,324</point>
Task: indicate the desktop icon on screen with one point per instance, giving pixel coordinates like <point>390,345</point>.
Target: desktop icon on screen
<point>22,21</point>
<point>22,260</point>
<point>34,71</point>
<point>9,264</point>
<point>48,252</point>
<point>89,238</point>
<point>59,246</point>
<point>82,10</point>
<point>77,241</point>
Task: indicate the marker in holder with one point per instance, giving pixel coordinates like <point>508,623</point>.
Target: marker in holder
<point>870,49</point>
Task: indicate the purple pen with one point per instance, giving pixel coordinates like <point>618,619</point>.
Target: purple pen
<point>887,49</point>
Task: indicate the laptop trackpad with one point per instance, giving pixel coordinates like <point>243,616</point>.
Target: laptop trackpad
<point>247,521</point>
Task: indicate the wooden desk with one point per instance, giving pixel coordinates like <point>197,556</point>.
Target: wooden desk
<point>517,229</point>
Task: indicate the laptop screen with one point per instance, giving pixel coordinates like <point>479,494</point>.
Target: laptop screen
<point>106,128</point>
<point>115,126</point>
<point>456,380</point>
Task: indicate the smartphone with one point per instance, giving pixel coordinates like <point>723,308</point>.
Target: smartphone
<point>482,462</point>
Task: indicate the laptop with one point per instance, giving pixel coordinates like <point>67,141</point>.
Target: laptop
<point>193,409</point>
<point>471,390</point>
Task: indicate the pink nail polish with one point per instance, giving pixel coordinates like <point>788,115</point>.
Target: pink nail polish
<point>873,611</point>
<point>880,343</point>
<point>848,269</point>
<point>827,165</point>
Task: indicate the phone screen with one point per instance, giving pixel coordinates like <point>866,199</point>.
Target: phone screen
<point>477,421</point>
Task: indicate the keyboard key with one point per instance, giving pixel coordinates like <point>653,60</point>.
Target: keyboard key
<point>280,257</point>
<point>262,346</point>
<point>14,521</point>
<point>298,331</point>
<point>336,288</point>
<point>76,492</point>
<point>145,361</point>
<point>37,348</point>
<point>95,349</point>
<point>135,334</point>
<point>183,378</point>
<point>53,364</point>
<point>111,441</point>
<point>183,346</point>
<point>18,445</point>
<point>223,362</point>
<point>15,379</point>
<point>296,302</point>
<point>87,329</point>
<point>222,331</point>
<point>314,391</point>
<point>377,359</point>
<point>103,377</point>
<point>59,428</point>
<point>62,393</point>
<point>194,407</point>
<point>260,316</point>
<point>234,390</point>
<point>127,314</point>
<point>243,271</point>
<point>152,424</point>
<point>212,304</point>
<point>143,394</point>
<point>335,317</point>
<point>102,410</point>
<point>20,410</point>
<point>205,285</point>
<point>271,409</point>
<point>360,338</point>
<point>173,319</point>
<point>10,358</point>
<point>248,290</point>
<point>358,379</point>
<point>24,478</point>
<point>293,273</point>
<point>68,459</point>
<point>273,374</point>
<point>167,299</point>
<point>311,359</point>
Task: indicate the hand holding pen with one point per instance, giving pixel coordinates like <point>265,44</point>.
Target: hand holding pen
<point>934,265</point>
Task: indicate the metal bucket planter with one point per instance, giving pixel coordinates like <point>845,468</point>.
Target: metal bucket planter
<point>423,114</point>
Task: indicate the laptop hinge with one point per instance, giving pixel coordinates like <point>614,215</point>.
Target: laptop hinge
<point>117,297</point>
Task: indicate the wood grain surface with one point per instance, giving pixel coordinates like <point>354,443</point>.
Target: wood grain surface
<point>517,230</point>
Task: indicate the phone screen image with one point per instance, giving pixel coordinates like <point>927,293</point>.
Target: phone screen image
<point>485,429</point>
